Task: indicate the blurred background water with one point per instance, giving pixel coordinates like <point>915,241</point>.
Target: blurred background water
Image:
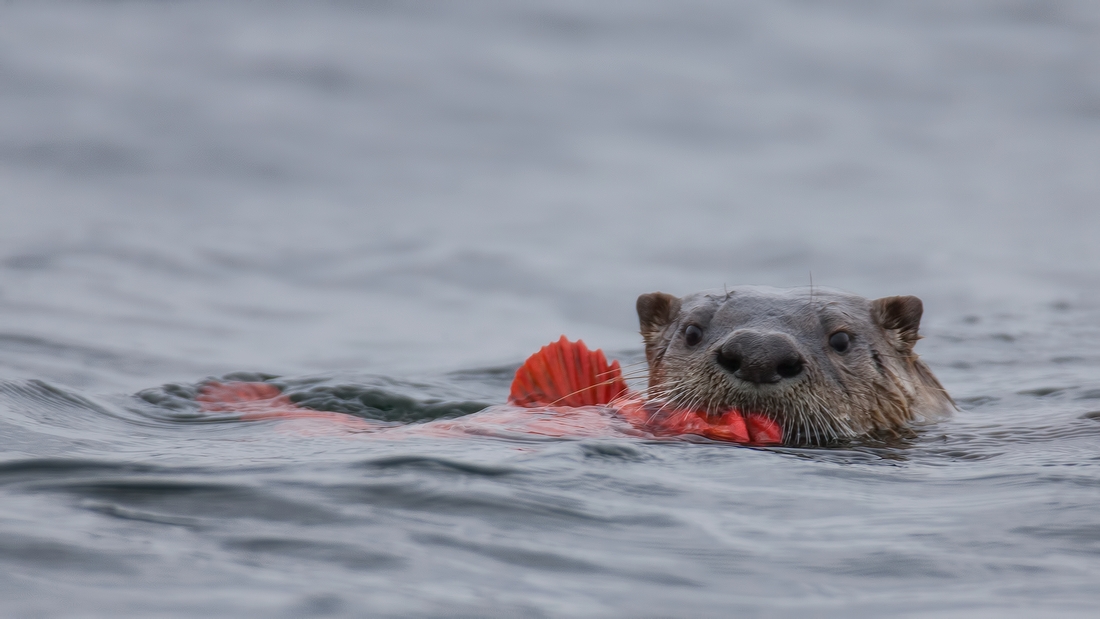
<point>415,196</point>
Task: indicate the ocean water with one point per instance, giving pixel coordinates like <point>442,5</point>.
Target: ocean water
<point>394,203</point>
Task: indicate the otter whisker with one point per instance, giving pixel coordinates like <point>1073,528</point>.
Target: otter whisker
<point>775,353</point>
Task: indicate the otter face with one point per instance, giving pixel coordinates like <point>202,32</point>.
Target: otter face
<point>824,364</point>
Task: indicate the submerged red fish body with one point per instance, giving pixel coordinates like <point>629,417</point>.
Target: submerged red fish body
<point>563,390</point>
<point>731,426</point>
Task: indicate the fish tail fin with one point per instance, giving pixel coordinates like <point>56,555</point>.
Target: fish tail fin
<point>565,373</point>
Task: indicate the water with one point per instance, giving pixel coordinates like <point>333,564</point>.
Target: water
<point>410,198</point>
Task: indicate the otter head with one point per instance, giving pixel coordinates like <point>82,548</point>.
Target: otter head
<point>824,364</point>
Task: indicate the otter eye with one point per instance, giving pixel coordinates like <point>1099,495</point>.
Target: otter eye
<point>693,335</point>
<point>839,341</point>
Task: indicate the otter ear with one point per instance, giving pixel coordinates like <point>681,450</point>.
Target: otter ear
<point>899,314</point>
<point>656,311</point>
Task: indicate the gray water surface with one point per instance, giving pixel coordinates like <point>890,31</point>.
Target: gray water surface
<point>408,198</point>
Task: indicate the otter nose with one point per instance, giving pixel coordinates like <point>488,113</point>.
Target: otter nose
<point>760,357</point>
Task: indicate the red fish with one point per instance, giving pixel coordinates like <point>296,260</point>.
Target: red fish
<point>566,373</point>
<point>562,390</point>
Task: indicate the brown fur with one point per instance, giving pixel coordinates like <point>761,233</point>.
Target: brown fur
<point>877,384</point>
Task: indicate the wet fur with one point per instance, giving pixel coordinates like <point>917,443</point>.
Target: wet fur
<point>878,386</point>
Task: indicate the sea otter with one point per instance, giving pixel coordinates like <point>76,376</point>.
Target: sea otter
<point>824,364</point>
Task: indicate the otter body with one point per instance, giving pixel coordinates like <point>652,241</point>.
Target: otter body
<point>824,364</point>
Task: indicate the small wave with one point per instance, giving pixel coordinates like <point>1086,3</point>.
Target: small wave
<point>185,501</point>
<point>31,551</point>
<point>47,410</point>
<point>37,469</point>
<point>343,554</point>
<point>44,395</point>
<point>612,451</point>
<point>372,398</point>
<point>541,560</point>
<point>438,464</point>
<point>380,405</point>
